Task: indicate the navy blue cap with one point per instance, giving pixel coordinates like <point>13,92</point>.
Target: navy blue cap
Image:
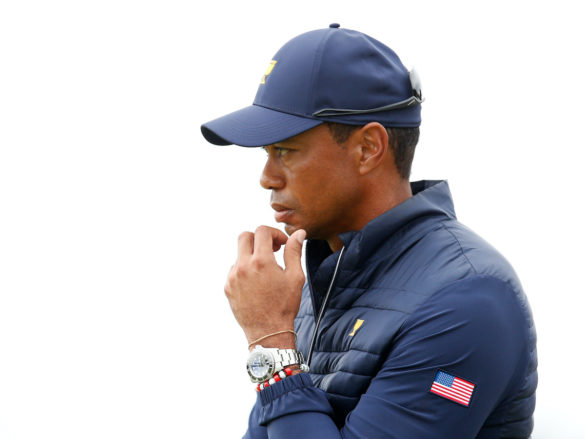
<point>335,75</point>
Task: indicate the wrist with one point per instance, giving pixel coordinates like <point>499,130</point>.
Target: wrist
<point>285,340</point>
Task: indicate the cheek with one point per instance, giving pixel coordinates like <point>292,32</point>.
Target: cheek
<point>325,193</point>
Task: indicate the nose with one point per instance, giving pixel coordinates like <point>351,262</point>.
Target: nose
<point>271,178</point>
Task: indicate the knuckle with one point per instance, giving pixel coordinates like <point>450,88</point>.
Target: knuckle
<point>244,235</point>
<point>227,289</point>
<point>258,263</point>
<point>299,279</point>
<point>262,230</point>
<point>240,270</point>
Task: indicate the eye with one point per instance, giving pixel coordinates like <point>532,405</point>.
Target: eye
<point>281,151</point>
<point>276,150</point>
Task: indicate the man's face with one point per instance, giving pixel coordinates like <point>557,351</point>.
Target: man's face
<point>313,182</point>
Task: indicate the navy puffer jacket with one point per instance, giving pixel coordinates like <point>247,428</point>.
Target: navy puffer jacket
<point>418,305</point>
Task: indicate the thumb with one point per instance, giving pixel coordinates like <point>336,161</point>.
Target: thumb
<point>293,250</point>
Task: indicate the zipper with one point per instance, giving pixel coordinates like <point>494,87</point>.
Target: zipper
<point>323,306</point>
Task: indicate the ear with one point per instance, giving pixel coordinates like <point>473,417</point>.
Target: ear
<point>373,139</point>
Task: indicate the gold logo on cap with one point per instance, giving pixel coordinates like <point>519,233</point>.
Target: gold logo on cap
<point>358,325</point>
<point>268,71</point>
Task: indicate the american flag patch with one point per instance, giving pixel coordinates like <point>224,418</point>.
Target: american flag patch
<point>453,388</point>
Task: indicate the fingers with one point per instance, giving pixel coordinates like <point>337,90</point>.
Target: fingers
<point>245,244</point>
<point>267,240</point>
<point>293,250</point>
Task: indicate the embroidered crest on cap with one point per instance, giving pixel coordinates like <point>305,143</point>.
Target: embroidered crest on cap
<point>453,388</point>
<point>268,71</point>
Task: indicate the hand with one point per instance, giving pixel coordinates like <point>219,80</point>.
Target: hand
<point>264,297</point>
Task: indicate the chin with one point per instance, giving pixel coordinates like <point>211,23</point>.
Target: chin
<point>290,229</point>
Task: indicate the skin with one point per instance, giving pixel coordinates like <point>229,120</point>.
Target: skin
<point>319,189</point>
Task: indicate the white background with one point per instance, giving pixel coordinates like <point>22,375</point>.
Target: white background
<point>118,222</point>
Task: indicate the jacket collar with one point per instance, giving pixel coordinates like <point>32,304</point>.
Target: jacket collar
<point>430,198</point>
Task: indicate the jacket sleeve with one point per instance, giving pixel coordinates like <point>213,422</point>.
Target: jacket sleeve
<point>473,329</point>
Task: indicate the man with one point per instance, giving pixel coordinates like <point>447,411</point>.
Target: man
<point>411,325</point>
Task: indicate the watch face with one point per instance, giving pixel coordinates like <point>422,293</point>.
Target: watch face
<point>260,366</point>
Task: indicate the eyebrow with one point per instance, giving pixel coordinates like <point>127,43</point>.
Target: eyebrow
<point>276,145</point>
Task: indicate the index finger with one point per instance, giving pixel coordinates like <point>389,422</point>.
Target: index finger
<point>267,240</point>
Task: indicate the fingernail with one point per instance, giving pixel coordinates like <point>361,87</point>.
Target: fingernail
<point>301,236</point>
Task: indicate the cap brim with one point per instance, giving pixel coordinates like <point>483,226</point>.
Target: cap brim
<point>255,126</point>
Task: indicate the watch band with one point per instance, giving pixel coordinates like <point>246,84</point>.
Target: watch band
<point>285,357</point>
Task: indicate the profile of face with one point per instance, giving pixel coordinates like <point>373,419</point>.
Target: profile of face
<point>312,180</point>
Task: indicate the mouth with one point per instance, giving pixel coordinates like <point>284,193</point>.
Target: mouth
<point>282,213</point>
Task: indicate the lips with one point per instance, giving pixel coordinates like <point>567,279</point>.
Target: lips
<point>283,216</point>
<point>282,213</point>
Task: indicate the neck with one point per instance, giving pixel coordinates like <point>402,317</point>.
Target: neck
<point>374,204</point>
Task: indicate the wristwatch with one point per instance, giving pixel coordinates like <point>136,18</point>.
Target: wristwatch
<point>263,362</point>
